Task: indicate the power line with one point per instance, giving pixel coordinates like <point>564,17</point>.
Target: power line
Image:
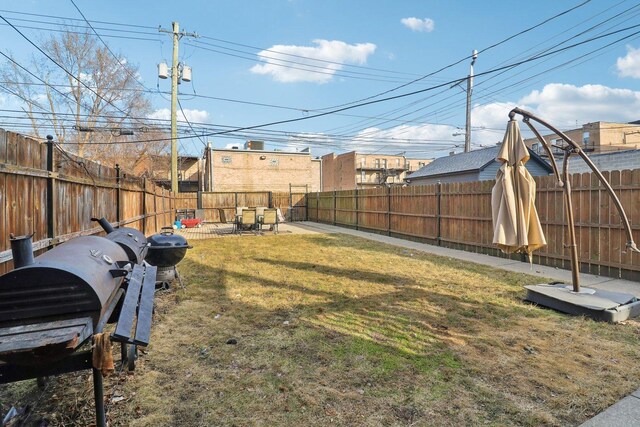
<point>189,123</point>
<point>118,60</point>
<point>304,67</point>
<point>488,72</point>
<point>75,19</point>
<point>63,68</point>
<point>465,58</point>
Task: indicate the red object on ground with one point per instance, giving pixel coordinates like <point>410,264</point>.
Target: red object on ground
<point>193,222</point>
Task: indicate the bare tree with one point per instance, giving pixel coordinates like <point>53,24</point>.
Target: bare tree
<point>91,97</point>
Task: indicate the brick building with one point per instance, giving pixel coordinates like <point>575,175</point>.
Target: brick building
<point>596,137</point>
<point>236,169</point>
<point>260,170</point>
<point>354,170</point>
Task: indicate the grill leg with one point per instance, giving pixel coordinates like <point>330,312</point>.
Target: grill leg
<point>98,395</point>
<point>123,353</point>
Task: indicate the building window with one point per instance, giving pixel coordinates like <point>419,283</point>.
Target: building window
<point>585,138</point>
<point>377,164</point>
<point>558,145</point>
<point>363,176</point>
<point>535,147</point>
<point>363,162</point>
<point>384,163</point>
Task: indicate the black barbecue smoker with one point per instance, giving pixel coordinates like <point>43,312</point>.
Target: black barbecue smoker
<point>51,306</point>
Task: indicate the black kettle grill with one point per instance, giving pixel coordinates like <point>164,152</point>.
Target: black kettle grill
<point>166,249</point>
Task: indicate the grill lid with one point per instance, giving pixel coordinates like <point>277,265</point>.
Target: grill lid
<point>166,249</point>
<point>166,239</point>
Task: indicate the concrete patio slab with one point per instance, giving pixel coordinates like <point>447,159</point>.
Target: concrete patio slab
<point>624,413</point>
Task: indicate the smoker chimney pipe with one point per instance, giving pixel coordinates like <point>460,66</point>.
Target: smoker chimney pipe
<point>106,226</point>
<point>21,250</point>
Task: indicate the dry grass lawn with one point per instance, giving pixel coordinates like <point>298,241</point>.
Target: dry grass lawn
<point>332,329</point>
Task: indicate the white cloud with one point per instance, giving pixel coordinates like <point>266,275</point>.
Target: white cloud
<point>425,25</point>
<point>488,121</point>
<point>417,140</point>
<point>306,69</point>
<point>629,65</point>
<point>567,105</point>
<point>194,116</point>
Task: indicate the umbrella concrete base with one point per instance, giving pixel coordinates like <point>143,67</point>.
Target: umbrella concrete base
<point>595,303</point>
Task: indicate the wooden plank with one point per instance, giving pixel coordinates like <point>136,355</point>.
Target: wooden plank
<point>34,327</point>
<point>46,334</point>
<point>3,146</point>
<point>615,237</point>
<point>626,198</point>
<point>145,310</point>
<point>11,148</point>
<point>129,306</point>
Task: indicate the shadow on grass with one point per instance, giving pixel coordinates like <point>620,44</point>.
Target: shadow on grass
<point>353,274</point>
<point>411,319</point>
<point>409,331</point>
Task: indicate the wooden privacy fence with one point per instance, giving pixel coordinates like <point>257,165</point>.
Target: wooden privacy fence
<point>292,205</point>
<point>458,215</point>
<point>54,195</point>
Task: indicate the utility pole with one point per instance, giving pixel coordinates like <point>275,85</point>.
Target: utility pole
<point>175,74</point>
<point>467,134</point>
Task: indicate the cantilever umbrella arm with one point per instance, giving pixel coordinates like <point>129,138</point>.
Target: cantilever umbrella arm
<point>564,182</point>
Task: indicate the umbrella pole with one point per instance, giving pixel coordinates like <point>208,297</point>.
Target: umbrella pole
<point>565,183</point>
<point>571,227</point>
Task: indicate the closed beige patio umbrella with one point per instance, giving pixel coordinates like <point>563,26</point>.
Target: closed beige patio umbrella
<point>516,226</point>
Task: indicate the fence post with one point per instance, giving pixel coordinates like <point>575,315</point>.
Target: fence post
<point>270,199</point>
<point>317,206</point>
<point>144,205</point>
<point>290,204</point>
<point>118,194</point>
<point>334,207</point>
<point>438,212</point>
<point>236,209</point>
<point>51,203</point>
<point>356,204</point>
<point>155,207</point>
<point>389,210</point>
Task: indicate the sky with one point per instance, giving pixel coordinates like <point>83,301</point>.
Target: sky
<point>370,76</point>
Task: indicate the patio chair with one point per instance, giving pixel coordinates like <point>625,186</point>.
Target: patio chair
<point>238,217</point>
<point>248,219</point>
<point>260,214</point>
<point>270,217</point>
<point>239,210</point>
